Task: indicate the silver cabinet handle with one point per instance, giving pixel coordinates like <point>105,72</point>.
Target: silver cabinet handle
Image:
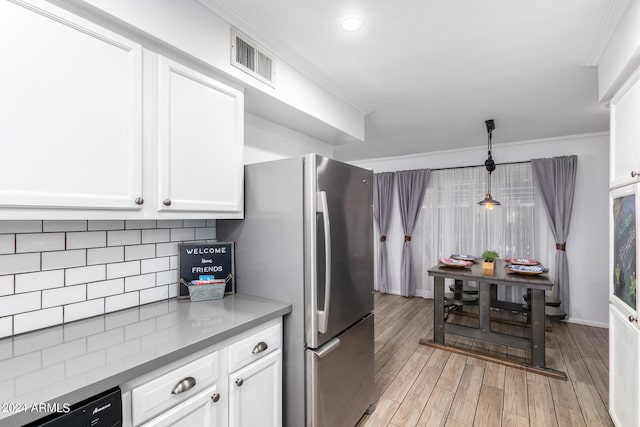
<point>215,397</point>
<point>634,174</point>
<point>184,385</point>
<point>632,319</point>
<point>139,200</point>
<point>260,347</point>
<point>239,382</point>
<point>167,202</point>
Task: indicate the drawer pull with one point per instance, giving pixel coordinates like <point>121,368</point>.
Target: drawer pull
<point>215,397</point>
<point>634,174</point>
<point>239,382</point>
<point>260,347</point>
<point>139,200</point>
<point>184,385</point>
<point>632,319</point>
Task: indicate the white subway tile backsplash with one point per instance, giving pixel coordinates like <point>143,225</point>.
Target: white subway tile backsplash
<point>62,296</point>
<point>20,227</point>
<point>86,239</point>
<point>63,259</point>
<point>124,237</point>
<point>135,283</point>
<point>6,326</point>
<point>19,263</point>
<point>182,234</point>
<point>154,294</point>
<point>139,252</point>
<point>168,277</point>
<point>131,224</point>
<point>211,223</point>
<point>86,362</point>
<point>205,233</point>
<point>92,273</point>
<point>33,320</point>
<point>123,269</point>
<point>39,242</point>
<point>105,255</point>
<point>173,291</point>
<point>166,249</point>
<point>194,223</point>
<point>64,225</point>
<point>156,236</point>
<point>169,223</point>
<point>54,272</point>
<point>82,310</point>
<point>6,285</point>
<point>7,244</point>
<point>19,303</point>
<point>116,224</point>
<point>106,288</point>
<point>122,301</point>
<point>29,282</point>
<point>154,264</point>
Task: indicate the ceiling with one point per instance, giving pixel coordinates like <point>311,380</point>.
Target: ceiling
<point>429,73</point>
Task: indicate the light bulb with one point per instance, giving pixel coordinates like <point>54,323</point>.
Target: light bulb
<point>351,23</point>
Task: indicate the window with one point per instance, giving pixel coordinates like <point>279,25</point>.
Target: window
<point>450,220</point>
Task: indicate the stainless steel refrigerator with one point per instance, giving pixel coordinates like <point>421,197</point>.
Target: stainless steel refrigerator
<point>307,238</point>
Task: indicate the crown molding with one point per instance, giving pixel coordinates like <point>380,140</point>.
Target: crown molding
<point>608,25</point>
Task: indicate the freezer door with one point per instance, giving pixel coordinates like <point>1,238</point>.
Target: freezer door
<point>339,242</point>
<point>340,378</point>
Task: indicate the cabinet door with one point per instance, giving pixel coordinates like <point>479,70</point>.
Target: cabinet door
<point>71,112</point>
<point>625,133</point>
<point>200,142</point>
<point>200,410</point>
<point>624,369</point>
<point>255,393</point>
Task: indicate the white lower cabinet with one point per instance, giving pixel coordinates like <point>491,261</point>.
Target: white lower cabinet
<point>237,382</point>
<point>199,410</point>
<point>255,393</point>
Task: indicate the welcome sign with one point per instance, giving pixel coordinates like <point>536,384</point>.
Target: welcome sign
<point>205,259</point>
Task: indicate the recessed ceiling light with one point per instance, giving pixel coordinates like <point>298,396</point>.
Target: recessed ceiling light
<point>351,23</point>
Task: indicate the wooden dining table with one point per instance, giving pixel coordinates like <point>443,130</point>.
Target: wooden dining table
<point>535,285</point>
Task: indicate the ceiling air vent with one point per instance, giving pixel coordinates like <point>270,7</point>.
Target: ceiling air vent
<point>251,58</point>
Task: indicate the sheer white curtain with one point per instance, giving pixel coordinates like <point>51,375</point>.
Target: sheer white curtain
<point>450,220</point>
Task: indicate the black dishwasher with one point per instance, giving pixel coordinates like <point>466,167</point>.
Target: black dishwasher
<point>102,410</point>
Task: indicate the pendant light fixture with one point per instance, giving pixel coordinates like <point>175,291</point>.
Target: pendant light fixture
<point>488,201</point>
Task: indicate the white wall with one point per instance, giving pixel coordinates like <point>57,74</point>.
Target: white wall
<point>265,140</point>
<point>587,246</point>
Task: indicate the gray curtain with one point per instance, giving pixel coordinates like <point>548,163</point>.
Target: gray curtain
<point>555,178</point>
<point>411,187</point>
<point>382,198</point>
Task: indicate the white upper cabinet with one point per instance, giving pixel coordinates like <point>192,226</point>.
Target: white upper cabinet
<point>625,133</point>
<point>200,142</point>
<point>96,126</point>
<point>71,112</point>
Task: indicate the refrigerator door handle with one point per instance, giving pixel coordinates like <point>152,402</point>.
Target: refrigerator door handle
<point>327,348</point>
<point>323,315</point>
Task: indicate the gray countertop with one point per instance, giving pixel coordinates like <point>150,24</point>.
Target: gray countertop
<point>69,363</point>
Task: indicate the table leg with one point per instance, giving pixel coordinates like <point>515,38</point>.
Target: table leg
<point>484,301</point>
<point>537,327</point>
<point>438,310</point>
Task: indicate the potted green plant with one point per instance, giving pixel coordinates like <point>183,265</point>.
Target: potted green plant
<point>489,261</point>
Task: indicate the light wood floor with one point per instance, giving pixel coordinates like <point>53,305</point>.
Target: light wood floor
<point>418,385</point>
